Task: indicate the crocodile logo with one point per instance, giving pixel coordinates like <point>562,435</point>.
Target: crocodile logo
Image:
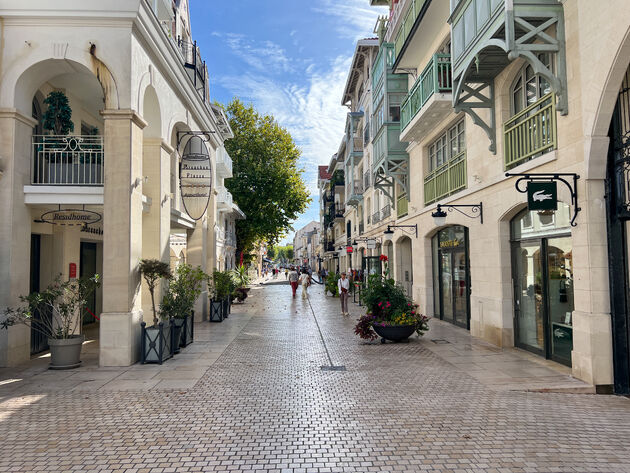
<point>540,196</point>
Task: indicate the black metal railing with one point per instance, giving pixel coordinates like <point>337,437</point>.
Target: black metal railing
<point>386,211</point>
<point>195,65</point>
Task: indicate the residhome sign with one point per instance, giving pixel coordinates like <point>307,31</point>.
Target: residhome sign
<point>542,196</point>
<point>71,217</point>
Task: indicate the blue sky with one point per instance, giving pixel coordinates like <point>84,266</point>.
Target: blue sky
<point>290,58</point>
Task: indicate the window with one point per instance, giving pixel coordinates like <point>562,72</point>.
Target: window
<point>448,146</point>
<point>528,87</point>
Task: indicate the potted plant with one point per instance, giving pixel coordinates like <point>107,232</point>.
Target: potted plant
<point>156,340</point>
<point>332,284</point>
<point>179,300</point>
<point>241,278</point>
<point>58,115</point>
<point>221,284</point>
<point>390,313</point>
<point>64,303</point>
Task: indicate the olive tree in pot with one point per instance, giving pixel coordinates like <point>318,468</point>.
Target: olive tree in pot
<point>156,340</point>
<point>179,301</point>
<point>57,313</point>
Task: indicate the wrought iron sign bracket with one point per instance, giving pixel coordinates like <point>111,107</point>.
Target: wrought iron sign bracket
<point>205,135</point>
<point>550,177</point>
<point>476,209</point>
<point>412,229</point>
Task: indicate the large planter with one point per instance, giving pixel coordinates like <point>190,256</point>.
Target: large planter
<point>176,333</point>
<point>216,310</point>
<point>156,343</point>
<point>65,353</point>
<point>188,330</point>
<point>394,333</point>
<point>226,307</point>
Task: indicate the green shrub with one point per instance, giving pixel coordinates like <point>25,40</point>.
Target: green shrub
<point>331,284</point>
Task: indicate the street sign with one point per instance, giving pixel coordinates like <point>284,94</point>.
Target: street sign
<point>542,196</point>
<point>348,249</point>
<point>371,244</point>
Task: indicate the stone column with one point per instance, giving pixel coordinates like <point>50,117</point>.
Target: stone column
<point>15,231</point>
<point>122,238</point>
<point>592,330</point>
<point>156,223</point>
<point>196,248</point>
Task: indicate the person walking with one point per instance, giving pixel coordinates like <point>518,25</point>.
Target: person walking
<point>286,274</point>
<point>293,280</point>
<point>305,281</point>
<point>344,287</point>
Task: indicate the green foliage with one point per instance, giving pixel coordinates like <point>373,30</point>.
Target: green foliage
<point>223,285</point>
<point>337,179</point>
<point>58,115</point>
<point>183,290</point>
<point>267,182</point>
<point>283,253</point>
<point>153,270</point>
<point>331,284</point>
<point>290,253</point>
<point>382,297</point>
<point>271,252</point>
<point>64,301</point>
<point>240,276</point>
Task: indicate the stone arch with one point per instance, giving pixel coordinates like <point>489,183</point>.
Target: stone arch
<point>21,82</point>
<point>597,147</point>
<point>151,113</point>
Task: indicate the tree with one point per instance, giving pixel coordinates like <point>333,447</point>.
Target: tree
<point>58,116</point>
<point>290,253</point>
<point>267,181</point>
<point>271,252</point>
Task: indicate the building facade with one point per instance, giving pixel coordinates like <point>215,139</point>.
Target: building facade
<point>534,89</point>
<point>306,244</point>
<point>99,197</point>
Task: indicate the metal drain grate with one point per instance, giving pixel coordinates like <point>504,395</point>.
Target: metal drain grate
<point>333,368</point>
<point>439,341</point>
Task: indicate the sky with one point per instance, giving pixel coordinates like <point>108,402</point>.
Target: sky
<point>290,59</point>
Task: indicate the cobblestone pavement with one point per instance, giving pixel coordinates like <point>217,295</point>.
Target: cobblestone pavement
<point>265,405</point>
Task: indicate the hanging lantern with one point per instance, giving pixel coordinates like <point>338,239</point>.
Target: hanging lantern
<point>195,177</point>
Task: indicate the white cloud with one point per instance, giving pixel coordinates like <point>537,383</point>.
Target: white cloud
<point>355,18</point>
<point>261,55</point>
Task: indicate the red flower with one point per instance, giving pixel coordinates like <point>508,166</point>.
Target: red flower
<point>383,258</point>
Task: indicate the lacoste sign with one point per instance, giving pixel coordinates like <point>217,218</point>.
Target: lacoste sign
<point>542,196</point>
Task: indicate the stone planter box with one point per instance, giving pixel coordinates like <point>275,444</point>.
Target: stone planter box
<point>216,311</point>
<point>156,343</point>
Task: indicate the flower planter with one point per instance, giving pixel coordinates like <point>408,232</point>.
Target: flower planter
<point>65,353</point>
<point>156,343</point>
<point>216,311</point>
<point>394,333</point>
<point>226,307</point>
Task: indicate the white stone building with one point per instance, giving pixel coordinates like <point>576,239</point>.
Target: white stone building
<point>136,82</point>
<point>305,245</point>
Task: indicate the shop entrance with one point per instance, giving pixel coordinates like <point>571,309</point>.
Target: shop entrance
<point>87,270</point>
<point>451,275</point>
<point>39,341</point>
<point>371,265</point>
<point>542,274</point>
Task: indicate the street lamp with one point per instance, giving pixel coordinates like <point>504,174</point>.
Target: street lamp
<point>439,216</point>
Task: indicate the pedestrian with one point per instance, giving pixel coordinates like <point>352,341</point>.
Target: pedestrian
<point>305,281</point>
<point>286,274</point>
<point>344,286</point>
<point>293,280</point>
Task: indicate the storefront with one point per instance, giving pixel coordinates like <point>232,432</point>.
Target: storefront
<point>451,276</point>
<point>542,273</point>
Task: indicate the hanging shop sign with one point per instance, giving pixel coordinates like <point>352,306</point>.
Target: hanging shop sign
<point>195,177</point>
<point>371,244</point>
<point>542,192</point>
<point>542,196</point>
<point>349,249</point>
<point>71,217</point>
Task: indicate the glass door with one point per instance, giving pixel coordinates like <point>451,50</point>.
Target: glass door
<point>528,296</point>
<point>460,287</point>
<point>560,270</point>
<point>446,289</point>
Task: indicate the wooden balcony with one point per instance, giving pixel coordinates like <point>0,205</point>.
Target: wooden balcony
<point>445,180</point>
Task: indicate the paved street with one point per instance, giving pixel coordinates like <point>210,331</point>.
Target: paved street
<point>263,403</point>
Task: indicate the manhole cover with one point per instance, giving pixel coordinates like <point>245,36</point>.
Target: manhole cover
<point>439,341</point>
<point>333,368</point>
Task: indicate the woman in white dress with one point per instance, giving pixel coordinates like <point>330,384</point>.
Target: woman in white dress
<point>305,282</point>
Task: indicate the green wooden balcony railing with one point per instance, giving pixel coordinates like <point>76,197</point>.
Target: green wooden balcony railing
<point>402,206</point>
<point>530,132</point>
<point>435,78</point>
<point>407,23</point>
<point>445,180</point>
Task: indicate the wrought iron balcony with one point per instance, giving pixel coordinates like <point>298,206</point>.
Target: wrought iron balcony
<point>337,210</point>
<point>195,65</point>
<point>61,160</point>
<point>386,212</point>
<point>402,206</point>
<point>445,180</point>
<point>435,79</point>
<point>224,198</point>
<point>366,180</point>
<point>376,217</point>
<point>531,132</point>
